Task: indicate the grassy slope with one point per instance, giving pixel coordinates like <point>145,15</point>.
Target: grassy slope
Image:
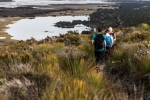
<point>51,70</point>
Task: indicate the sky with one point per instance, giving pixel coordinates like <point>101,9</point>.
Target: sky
<point>47,2</point>
<point>73,0</point>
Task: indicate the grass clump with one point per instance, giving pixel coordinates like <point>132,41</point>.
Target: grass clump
<point>144,27</point>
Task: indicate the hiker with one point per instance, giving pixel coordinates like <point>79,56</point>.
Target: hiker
<point>112,33</point>
<point>99,42</point>
<point>109,39</point>
<point>109,44</point>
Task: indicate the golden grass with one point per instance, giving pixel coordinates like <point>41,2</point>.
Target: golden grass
<point>75,78</point>
<point>3,97</point>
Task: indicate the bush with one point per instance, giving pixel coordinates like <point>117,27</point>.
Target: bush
<point>144,27</point>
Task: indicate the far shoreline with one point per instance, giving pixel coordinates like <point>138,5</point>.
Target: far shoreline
<point>59,10</point>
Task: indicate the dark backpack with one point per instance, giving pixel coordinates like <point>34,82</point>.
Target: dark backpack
<point>98,42</point>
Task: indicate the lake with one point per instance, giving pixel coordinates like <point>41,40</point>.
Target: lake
<point>41,27</point>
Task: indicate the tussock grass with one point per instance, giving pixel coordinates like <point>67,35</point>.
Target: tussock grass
<point>129,64</point>
<point>67,72</point>
<point>89,50</point>
<point>74,67</point>
<point>137,37</point>
<point>136,34</point>
<point>144,27</point>
<point>124,61</point>
<point>3,97</point>
<point>96,80</point>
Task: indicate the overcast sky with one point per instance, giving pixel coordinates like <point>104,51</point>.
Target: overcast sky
<point>46,2</point>
<point>71,0</point>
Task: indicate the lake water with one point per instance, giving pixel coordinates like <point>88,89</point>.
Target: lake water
<point>27,28</point>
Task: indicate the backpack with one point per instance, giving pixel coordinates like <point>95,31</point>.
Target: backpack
<point>108,40</point>
<point>98,42</point>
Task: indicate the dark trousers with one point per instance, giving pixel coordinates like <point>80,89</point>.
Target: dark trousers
<point>100,57</point>
<point>108,52</point>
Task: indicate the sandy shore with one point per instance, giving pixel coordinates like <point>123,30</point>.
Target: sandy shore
<point>5,38</point>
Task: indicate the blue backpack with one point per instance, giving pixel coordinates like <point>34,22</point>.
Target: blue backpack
<point>108,40</point>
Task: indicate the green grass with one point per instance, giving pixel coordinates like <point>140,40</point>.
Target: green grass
<point>144,27</point>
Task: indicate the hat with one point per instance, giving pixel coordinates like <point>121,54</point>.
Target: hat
<point>110,29</point>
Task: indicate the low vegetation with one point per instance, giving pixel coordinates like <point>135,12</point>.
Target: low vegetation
<point>52,70</point>
<point>129,65</point>
<point>126,15</point>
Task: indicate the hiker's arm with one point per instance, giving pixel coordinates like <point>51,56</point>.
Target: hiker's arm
<point>92,41</point>
<point>105,45</point>
<point>112,41</point>
<point>114,36</point>
<point>93,37</point>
